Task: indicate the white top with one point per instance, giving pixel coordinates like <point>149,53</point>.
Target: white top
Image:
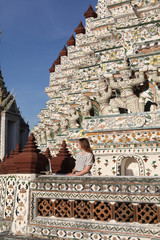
<point>83,160</point>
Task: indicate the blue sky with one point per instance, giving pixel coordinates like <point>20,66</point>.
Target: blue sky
<point>33,34</point>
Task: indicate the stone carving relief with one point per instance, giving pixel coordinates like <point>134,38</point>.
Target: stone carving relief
<point>49,134</point>
<point>155,76</point>
<point>143,98</point>
<point>64,124</point>
<point>86,106</point>
<point>55,128</point>
<point>56,93</point>
<point>156,79</point>
<point>103,95</point>
<point>127,100</point>
<point>43,136</point>
<point>73,117</point>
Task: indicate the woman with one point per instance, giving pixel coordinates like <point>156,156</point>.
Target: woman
<point>84,159</point>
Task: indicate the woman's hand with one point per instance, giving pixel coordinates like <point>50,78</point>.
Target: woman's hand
<point>72,173</point>
<point>81,173</point>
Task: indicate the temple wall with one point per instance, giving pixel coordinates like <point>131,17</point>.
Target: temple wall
<point>14,202</point>
<point>51,207</point>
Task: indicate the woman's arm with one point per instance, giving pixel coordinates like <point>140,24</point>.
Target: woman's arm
<point>84,171</point>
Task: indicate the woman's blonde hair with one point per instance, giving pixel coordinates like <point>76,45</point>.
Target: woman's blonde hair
<point>85,145</point>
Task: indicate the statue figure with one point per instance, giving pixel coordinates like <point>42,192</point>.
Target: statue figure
<point>156,79</point>
<point>55,128</point>
<point>103,96</point>
<point>43,136</point>
<point>73,117</point>
<point>49,134</point>
<point>86,106</point>
<point>55,93</point>
<point>38,139</point>
<point>64,124</point>
<point>143,98</point>
<point>155,76</point>
<point>125,84</point>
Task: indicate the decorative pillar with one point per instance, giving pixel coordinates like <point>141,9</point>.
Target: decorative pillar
<point>29,163</point>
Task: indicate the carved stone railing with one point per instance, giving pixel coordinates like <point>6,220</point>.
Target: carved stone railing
<point>100,211</point>
<point>77,207</point>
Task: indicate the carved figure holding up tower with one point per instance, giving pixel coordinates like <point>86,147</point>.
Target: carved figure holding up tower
<point>55,128</point>
<point>64,124</point>
<point>156,79</point>
<point>103,95</point>
<point>73,117</point>
<point>49,134</point>
<point>86,106</point>
<point>155,76</point>
<point>127,100</point>
<point>43,136</point>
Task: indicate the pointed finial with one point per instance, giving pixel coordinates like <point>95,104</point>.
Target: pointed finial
<point>90,13</point>
<point>80,29</point>
<point>71,41</point>
<point>48,153</point>
<point>31,138</point>
<point>64,51</point>
<point>17,151</point>
<point>58,60</point>
<point>11,154</point>
<point>64,145</point>
<point>52,69</point>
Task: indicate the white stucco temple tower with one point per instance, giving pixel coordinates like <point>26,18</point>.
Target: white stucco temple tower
<point>106,86</point>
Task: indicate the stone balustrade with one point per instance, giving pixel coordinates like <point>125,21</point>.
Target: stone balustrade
<point>69,207</point>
